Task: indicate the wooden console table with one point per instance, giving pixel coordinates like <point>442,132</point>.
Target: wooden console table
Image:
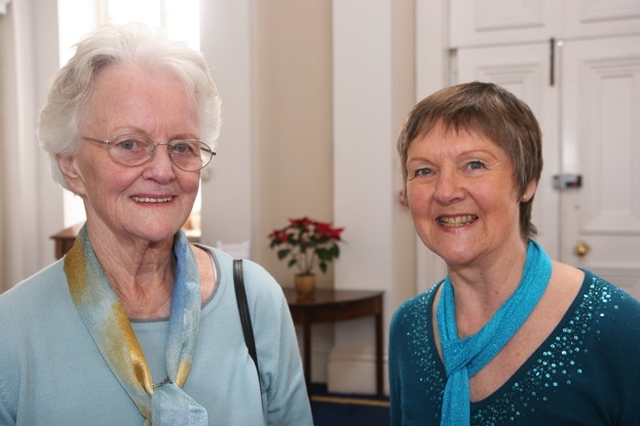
<point>332,306</point>
<point>64,239</point>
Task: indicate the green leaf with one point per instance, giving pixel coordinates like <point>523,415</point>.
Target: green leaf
<point>283,253</point>
<point>323,254</point>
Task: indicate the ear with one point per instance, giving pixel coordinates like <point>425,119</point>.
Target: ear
<point>71,174</point>
<point>529,191</point>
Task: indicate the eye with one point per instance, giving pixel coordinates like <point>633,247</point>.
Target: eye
<point>130,143</point>
<point>475,165</point>
<point>130,149</point>
<point>185,147</point>
<point>180,147</point>
<point>424,171</point>
<point>127,144</point>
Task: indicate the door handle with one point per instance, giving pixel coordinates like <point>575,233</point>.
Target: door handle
<point>582,249</point>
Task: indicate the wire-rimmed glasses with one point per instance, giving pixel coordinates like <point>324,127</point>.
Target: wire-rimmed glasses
<point>135,149</point>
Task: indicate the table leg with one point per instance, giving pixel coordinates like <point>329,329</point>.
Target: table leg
<point>306,331</point>
<point>379,363</point>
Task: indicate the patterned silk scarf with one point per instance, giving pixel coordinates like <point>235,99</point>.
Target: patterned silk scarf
<point>463,358</point>
<point>104,316</point>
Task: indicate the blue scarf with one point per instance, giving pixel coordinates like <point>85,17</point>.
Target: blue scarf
<point>463,358</point>
<point>164,403</point>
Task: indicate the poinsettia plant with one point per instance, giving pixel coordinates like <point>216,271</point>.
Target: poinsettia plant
<point>306,243</point>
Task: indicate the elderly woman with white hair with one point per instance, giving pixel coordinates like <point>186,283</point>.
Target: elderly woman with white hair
<point>135,325</point>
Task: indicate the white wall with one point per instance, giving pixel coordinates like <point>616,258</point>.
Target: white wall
<point>373,90</point>
<point>226,41</point>
<point>272,63</point>
<point>313,95</point>
<point>31,203</point>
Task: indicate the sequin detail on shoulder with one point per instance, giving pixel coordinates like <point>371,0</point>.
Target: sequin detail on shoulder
<point>556,365</point>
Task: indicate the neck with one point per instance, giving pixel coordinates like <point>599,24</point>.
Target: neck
<point>480,291</point>
<point>141,274</point>
<point>144,296</point>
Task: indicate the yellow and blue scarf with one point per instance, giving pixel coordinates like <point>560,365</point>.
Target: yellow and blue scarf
<point>104,316</point>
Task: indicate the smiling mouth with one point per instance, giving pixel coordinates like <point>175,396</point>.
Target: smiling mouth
<point>456,220</point>
<point>151,200</point>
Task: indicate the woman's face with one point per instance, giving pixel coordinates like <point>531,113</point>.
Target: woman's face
<point>151,201</point>
<point>462,197</point>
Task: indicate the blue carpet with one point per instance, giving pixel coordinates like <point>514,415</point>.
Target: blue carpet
<point>331,409</point>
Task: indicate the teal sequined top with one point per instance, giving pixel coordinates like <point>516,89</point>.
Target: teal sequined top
<point>587,372</point>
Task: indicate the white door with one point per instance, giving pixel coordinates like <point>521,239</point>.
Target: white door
<point>589,114</point>
<point>600,118</point>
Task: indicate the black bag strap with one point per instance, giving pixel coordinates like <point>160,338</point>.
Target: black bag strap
<point>243,309</point>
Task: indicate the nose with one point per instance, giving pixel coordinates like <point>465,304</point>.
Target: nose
<point>160,167</point>
<point>448,187</point>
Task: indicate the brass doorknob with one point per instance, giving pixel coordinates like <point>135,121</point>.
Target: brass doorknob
<point>582,249</point>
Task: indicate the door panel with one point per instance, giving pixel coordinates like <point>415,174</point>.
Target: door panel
<point>601,141</point>
<point>588,18</point>
<point>483,22</point>
<point>500,22</point>
<point>524,70</point>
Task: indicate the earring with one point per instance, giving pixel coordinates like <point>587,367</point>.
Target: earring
<point>523,198</point>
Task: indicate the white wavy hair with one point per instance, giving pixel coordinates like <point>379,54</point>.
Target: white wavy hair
<point>132,45</point>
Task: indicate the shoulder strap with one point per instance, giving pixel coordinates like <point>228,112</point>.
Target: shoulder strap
<point>243,309</point>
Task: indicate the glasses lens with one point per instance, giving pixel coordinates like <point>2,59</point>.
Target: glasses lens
<point>190,155</point>
<point>131,149</point>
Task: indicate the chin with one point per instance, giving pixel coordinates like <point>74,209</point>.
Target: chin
<point>156,233</point>
<point>453,255</point>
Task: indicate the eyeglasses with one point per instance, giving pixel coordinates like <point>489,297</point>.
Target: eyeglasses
<point>134,149</point>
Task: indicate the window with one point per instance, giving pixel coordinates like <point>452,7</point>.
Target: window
<point>179,18</point>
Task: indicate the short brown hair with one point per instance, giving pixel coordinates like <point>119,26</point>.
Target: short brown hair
<point>492,112</point>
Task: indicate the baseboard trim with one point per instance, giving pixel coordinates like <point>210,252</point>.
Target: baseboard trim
<point>352,370</point>
<point>349,401</point>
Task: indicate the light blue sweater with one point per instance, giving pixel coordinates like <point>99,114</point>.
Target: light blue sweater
<point>51,372</point>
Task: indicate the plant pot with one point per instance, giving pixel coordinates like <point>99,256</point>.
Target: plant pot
<point>305,285</point>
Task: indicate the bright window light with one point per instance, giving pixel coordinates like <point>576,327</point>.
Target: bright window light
<point>147,11</point>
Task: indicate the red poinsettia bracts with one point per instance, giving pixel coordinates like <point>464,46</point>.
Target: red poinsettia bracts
<point>307,243</point>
